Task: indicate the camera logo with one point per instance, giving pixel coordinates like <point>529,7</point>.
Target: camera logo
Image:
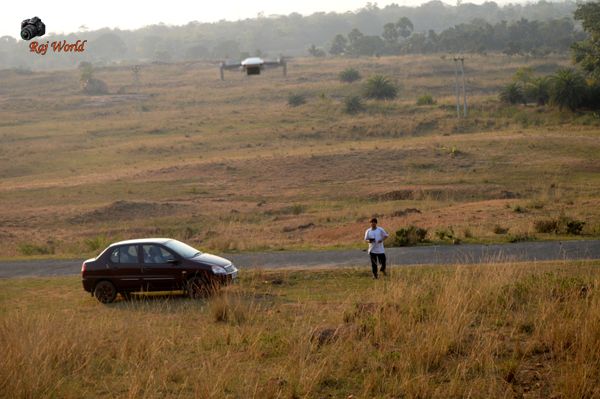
<point>31,28</point>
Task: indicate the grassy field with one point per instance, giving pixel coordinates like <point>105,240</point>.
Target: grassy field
<point>498,331</point>
<point>229,166</point>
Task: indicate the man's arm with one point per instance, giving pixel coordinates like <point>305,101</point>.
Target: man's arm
<point>385,235</point>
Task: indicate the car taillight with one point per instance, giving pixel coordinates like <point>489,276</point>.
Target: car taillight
<point>82,267</point>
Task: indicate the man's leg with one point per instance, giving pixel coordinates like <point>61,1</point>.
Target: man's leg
<point>382,261</point>
<point>374,264</point>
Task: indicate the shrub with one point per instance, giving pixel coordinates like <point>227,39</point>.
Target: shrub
<point>560,225</point>
<point>520,237</point>
<point>512,93</point>
<point>96,243</point>
<point>380,87</point>
<point>426,99</point>
<point>500,230</point>
<point>295,100</point>
<point>353,105</point>
<point>34,249</point>
<point>574,227</point>
<point>350,75</point>
<point>546,225</point>
<point>408,236</point>
<point>445,234</point>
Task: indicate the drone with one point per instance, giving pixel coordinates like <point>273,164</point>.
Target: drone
<point>253,66</point>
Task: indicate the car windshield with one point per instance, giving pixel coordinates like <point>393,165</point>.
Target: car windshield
<point>182,249</point>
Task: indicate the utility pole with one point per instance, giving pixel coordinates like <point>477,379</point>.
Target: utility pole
<point>464,85</point>
<point>456,87</point>
<point>462,69</point>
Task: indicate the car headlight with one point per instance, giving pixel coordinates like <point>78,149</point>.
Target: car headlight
<point>218,270</point>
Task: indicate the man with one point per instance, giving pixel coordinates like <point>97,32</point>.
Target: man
<point>375,237</point>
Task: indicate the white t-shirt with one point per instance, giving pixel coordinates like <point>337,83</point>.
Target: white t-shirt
<point>378,234</point>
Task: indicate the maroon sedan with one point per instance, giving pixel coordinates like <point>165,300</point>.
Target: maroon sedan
<point>154,264</point>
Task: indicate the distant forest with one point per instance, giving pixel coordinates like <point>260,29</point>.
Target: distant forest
<point>534,28</point>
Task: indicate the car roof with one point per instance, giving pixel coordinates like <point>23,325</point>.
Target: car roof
<point>143,241</point>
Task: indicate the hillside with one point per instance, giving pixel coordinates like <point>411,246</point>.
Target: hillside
<point>229,165</point>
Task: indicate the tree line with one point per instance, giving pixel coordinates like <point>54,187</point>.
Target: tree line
<point>567,88</point>
<point>517,37</point>
<point>293,34</point>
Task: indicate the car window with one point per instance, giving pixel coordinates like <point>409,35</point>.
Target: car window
<point>156,254</point>
<point>114,256</point>
<point>128,254</point>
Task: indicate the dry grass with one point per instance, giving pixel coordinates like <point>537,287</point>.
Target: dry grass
<point>199,159</point>
<point>521,330</point>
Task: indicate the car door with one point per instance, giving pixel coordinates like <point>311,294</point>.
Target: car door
<point>125,267</point>
<point>159,269</point>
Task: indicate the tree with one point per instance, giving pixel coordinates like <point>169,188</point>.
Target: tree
<point>339,45</point>
<point>316,52</point>
<point>405,27</point>
<point>390,33</point>
<point>538,90</point>
<point>587,52</point>
<point>381,88</point>
<point>568,89</point>
<point>354,36</point>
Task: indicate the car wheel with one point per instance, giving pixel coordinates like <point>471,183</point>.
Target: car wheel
<point>200,288</point>
<point>105,291</point>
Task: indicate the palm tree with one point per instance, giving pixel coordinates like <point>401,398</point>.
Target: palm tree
<point>538,90</point>
<point>512,93</point>
<point>568,89</point>
<point>381,88</point>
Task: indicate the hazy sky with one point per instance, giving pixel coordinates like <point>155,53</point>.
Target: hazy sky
<point>63,16</point>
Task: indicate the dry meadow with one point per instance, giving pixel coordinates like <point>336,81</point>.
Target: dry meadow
<point>488,331</point>
<point>230,166</point>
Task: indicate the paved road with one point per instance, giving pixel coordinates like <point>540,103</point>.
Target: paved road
<point>447,254</point>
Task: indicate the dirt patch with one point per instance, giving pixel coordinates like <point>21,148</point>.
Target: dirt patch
<point>106,100</point>
<point>445,194</point>
<point>121,210</point>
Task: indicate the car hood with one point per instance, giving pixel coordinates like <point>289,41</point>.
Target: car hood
<point>211,260</point>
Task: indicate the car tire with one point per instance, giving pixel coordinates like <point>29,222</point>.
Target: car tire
<point>105,291</point>
<point>198,288</point>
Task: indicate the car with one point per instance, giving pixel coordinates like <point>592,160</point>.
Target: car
<point>154,264</point>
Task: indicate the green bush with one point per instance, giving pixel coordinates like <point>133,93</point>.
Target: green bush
<point>353,105</point>
<point>407,236</point>
<point>97,243</point>
<point>426,99</point>
<point>34,249</point>
<point>295,100</point>
<point>380,87</point>
<point>350,75</point>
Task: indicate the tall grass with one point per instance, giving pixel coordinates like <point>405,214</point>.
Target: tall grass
<point>483,331</point>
